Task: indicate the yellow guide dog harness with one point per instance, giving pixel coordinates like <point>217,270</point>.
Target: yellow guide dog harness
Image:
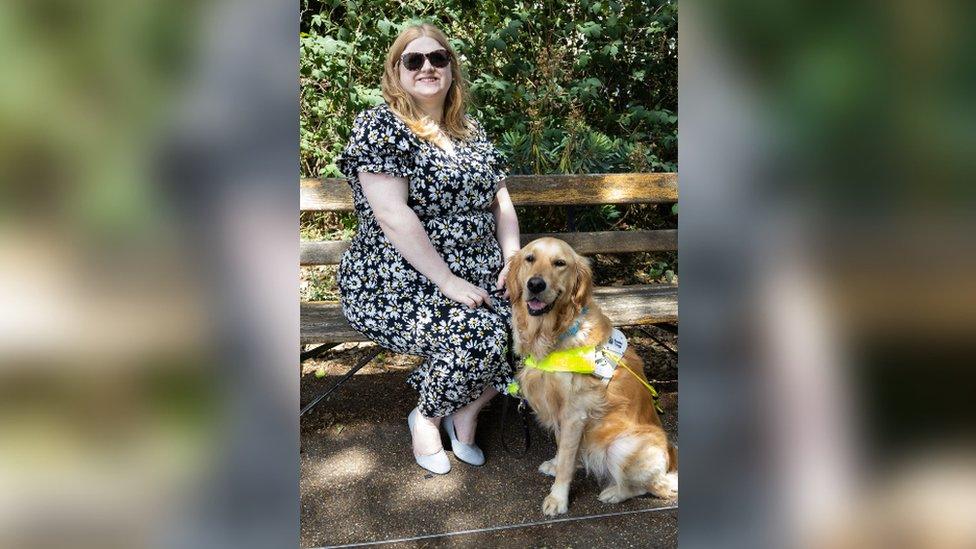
<point>597,360</point>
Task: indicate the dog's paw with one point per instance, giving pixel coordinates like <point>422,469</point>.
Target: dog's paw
<point>666,487</point>
<point>554,505</point>
<point>548,467</point>
<point>613,494</point>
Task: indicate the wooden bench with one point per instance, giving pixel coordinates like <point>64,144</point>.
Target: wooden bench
<point>323,323</point>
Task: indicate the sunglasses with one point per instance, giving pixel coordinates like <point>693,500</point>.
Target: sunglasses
<point>415,60</point>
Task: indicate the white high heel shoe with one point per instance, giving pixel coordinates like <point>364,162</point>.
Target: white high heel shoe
<point>437,462</point>
<point>468,453</point>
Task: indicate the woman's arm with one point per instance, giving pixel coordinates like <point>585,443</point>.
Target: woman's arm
<point>506,229</point>
<point>387,197</point>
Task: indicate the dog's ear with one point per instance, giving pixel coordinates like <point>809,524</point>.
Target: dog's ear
<point>512,280</point>
<point>584,281</point>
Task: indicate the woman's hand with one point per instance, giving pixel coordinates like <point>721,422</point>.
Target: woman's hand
<point>501,279</point>
<point>462,291</point>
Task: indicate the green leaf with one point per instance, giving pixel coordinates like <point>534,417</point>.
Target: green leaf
<point>329,45</point>
<point>591,29</point>
<point>604,59</point>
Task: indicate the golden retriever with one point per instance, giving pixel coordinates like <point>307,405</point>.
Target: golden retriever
<point>610,429</point>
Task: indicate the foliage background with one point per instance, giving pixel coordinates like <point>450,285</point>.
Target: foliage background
<point>561,87</point>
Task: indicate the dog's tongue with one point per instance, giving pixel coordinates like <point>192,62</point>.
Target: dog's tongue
<point>535,304</point>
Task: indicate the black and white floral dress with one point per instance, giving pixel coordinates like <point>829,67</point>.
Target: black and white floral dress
<point>387,300</point>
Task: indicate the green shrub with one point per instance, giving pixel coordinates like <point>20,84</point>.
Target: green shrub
<point>561,87</point>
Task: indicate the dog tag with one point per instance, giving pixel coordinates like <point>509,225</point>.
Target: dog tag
<point>617,344</point>
<point>603,367</point>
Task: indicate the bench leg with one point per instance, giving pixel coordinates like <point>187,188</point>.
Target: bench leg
<point>312,353</point>
<point>668,327</point>
<point>359,365</point>
<point>655,338</point>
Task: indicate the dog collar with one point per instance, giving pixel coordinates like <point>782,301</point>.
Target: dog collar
<point>575,328</point>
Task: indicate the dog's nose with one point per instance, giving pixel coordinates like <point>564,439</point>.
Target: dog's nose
<point>536,284</point>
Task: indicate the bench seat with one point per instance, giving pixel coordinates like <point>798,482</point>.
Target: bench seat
<point>323,322</point>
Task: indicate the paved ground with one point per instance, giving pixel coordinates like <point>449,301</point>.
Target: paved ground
<point>359,482</point>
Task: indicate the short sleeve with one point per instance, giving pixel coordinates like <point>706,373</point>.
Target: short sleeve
<point>495,158</point>
<point>377,144</point>
<point>499,163</point>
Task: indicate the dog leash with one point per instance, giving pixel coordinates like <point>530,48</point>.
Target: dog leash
<point>526,425</point>
<point>512,393</point>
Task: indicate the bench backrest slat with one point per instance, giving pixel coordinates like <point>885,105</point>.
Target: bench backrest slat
<point>329,252</point>
<point>334,194</point>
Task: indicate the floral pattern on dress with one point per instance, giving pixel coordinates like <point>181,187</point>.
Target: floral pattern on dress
<point>387,300</point>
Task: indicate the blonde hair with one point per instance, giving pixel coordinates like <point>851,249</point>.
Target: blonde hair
<point>455,122</point>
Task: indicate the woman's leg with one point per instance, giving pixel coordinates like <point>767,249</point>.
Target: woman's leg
<point>426,435</point>
<point>466,419</point>
<point>468,356</point>
<point>494,355</point>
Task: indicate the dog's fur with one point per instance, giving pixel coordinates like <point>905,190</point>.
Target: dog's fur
<point>611,430</point>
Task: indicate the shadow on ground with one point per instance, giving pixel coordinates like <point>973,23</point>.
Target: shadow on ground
<point>359,482</point>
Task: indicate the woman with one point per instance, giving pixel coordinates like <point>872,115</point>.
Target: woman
<point>436,227</point>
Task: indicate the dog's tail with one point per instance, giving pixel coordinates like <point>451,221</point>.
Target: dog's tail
<point>672,459</point>
<point>666,485</point>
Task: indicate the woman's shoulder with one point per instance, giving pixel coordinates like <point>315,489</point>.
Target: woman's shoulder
<point>381,120</point>
<point>379,126</point>
<point>477,129</point>
<point>473,121</point>
<point>379,114</point>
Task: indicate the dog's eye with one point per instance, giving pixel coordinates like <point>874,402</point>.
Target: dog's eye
<point>559,263</point>
<point>529,258</point>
